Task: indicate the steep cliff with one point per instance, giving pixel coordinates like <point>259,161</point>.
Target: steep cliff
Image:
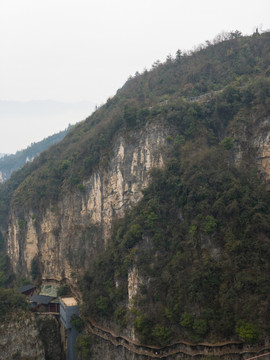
<point>157,204</point>
<point>19,339</point>
<point>70,233</point>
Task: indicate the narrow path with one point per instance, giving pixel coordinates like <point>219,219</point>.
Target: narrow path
<point>233,348</point>
<point>187,349</point>
<point>259,356</point>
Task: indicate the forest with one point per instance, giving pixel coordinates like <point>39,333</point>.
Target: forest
<point>199,237</point>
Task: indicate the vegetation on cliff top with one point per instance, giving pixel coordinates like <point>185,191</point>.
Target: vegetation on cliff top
<point>235,60</point>
<point>200,236</point>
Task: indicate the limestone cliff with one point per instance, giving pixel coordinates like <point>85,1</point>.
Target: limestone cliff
<point>67,236</point>
<point>19,339</point>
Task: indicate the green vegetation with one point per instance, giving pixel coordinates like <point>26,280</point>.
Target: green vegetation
<point>248,332</point>
<point>11,301</point>
<point>239,63</point>
<point>84,346</point>
<point>199,237</point>
<point>64,290</point>
<point>35,269</point>
<point>198,283</point>
<point>78,323</point>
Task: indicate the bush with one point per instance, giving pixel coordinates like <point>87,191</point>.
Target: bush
<point>200,327</point>
<point>143,326</point>
<point>161,334</point>
<point>35,268</point>
<point>187,321</point>
<point>248,332</point>
<point>63,290</point>
<point>210,224</point>
<point>11,300</point>
<point>78,323</point>
<point>227,143</point>
<point>84,345</point>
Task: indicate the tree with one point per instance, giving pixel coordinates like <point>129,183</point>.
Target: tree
<point>187,320</point>
<point>200,327</point>
<point>227,143</point>
<point>178,56</point>
<point>248,332</point>
<point>35,270</point>
<point>161,334</point>
<point>235,34</point>
<point>84,346</point>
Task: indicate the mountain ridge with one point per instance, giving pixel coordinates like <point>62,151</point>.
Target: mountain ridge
<point>156,206</point>
<point>12,162</point>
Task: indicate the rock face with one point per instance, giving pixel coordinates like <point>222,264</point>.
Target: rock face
<point>49,333</point>
<point>254,143</point>
<point>5,175</point>
<point>19,339</point>
<point>261,142</point>
<point>67,236</point>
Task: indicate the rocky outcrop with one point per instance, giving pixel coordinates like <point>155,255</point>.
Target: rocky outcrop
<point>67,236</point>
<point>49,333</point>
<point>19,339</point>
<point>253,143</point>
<point>261,143</point>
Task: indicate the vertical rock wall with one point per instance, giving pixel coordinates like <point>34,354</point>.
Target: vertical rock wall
<point>67,236</point>
<point>19,339</point>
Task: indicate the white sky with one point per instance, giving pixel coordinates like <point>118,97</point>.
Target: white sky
<point>84,50</point>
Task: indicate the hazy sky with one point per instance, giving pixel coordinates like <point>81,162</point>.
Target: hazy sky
<point>84,50</point>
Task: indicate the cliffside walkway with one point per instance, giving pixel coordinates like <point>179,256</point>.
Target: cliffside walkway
<point>230,350</point>
<point>259,356</point>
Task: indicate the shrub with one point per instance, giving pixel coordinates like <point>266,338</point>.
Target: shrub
<point>248,332</point>
<point>143,326</point>
<point>84,346</point>
<point>187,321</point>
<point>161,334</point>
<point>210,224</point>
<point>200,327</point>
<point>63,290</point>
<point>227,143</point>
<point>78,323</point>
<point>35,268</point>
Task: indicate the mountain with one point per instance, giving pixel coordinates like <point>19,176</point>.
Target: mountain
<point>156,209</point>
<point>37,120</point>
<point>11,163</point>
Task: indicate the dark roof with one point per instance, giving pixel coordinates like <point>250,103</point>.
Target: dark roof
<point>41,299</point>
<point>26,288</point>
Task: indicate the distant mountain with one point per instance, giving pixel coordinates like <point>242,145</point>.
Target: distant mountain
<point>11,163</point>
<point>35,120</point>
